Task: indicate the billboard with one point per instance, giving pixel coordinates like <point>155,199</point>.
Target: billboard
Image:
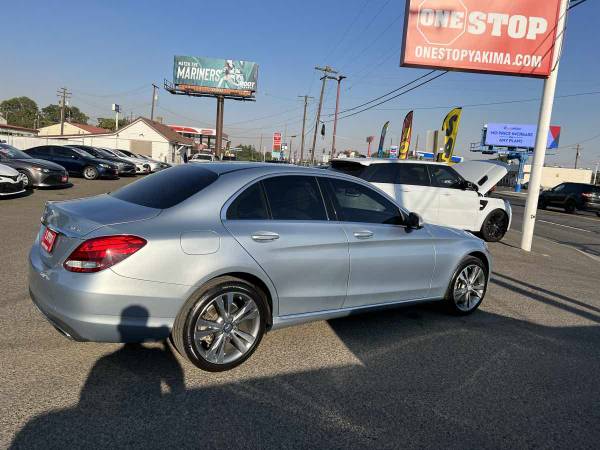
<point>516,135</point>
<point>276,142</point>
<point>213,76</point>
<point>493,36</point>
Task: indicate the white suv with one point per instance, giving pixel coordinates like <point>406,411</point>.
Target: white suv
<point>453,196</point>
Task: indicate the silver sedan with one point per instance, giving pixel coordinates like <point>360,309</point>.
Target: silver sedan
<point>213,256</point>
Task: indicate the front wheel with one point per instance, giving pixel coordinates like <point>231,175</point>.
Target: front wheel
<point>570,207</point>
<point>468,286</point>
<point>28,181</point>
<point>494,226</point>
<point>90,173</point>
<point>221,326</point>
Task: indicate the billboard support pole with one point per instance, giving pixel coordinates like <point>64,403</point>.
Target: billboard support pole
<point>541,140</point>
<point>219,125</point>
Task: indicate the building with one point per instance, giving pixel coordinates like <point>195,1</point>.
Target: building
<point>142,136</point>
<point>204,138</point>
<point>13,130</point>
<point>70,128</point>
<point>551,176</point>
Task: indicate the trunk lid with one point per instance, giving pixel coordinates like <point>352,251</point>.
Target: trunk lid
<point>485,174</point>
<point>74,219</point>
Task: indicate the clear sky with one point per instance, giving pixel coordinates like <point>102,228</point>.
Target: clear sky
<point>111,51</point>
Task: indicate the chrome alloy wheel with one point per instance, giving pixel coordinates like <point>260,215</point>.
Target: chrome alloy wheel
<point>89,173</point>
<point>227,327</point>
<point>469,288</point>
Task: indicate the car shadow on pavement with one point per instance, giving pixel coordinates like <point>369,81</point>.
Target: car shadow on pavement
<point>422,379</point>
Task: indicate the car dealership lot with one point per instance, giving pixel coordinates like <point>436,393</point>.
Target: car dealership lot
<point>520,372</point>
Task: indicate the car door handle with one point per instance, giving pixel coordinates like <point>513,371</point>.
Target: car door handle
<point>264,236</point>
<point>365,234</point>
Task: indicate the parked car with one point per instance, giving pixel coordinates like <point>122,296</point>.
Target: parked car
<point>572,197</point>
<point>203,157</point>
<point>453,196</point>
<point>124,167</point>
<point>37,172</point>
<point>155,165</point>
<point>11,181</point>
<point>77,162</point>
<point>214,255</point>
<point>141,166</point>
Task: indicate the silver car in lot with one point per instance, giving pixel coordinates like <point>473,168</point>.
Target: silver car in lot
<point>214,255</point>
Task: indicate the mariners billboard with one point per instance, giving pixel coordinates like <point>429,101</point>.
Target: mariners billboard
<point>226,77</point>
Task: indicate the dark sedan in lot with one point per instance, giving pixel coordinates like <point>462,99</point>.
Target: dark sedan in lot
<point>77,162</point>
<point>124,167</point>
<point>38,172</point>
<point>572,197</point>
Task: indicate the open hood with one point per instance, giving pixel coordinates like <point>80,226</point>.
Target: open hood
<point>485,174</point>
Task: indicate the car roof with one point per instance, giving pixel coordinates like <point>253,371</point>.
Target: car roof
<point>221,168</point>
<point>369,161</point>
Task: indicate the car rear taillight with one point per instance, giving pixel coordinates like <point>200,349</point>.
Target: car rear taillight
<point>100,253</point>
<point>586,194</point>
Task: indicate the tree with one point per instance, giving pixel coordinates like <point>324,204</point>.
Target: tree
<point>51,115</point>
<point>109,124</point>
<point>19,111</point>
<point>247,153</point>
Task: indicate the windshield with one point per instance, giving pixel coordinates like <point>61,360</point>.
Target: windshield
<point>126,153</point>
<point>81,152</point>
<point>119,153</point>
<point>9,152</point>
<point>103,153</point>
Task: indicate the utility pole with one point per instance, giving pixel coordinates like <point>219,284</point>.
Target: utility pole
<point>577,154</point>
<point>154,98</point>
<point>290,148</point>
<point>326,70</point>
<point>63,95</point>
<point>596,173</point>
<point>306,97</point>
<point>335,120</point>
<point>261,149</point>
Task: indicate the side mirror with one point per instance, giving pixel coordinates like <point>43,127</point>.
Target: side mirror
<point>414,221</point>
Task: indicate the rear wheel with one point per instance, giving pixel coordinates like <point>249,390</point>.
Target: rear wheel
<point>221,326</point>
<point>90,173</point>
<point>571,206</point>
<point>468,286</point>
<point>494,226</point>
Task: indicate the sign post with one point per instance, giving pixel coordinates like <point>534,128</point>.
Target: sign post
<point>539,154</point>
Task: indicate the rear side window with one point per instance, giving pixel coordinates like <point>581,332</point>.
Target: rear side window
<point>294,197</point>
<point>249,205</point>
<point>167,188</point>
<point>413,174</point>
<point>384,173</point>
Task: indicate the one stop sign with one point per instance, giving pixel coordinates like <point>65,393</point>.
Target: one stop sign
<point>441,23</point>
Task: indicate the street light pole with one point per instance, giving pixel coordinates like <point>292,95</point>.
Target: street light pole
<point>290,149</point>
<point>326,70</point>
<point>335,120</point>
<point>306,97</point>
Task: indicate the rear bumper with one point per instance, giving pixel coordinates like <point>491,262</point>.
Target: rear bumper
<point>103,307</point>
<point>591,206</point>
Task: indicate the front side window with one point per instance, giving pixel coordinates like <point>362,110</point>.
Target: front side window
<point>444,177</point>
<point>294,197</point>
<point>559,188</point>
<point>249,205</point>
<point>357,203</point>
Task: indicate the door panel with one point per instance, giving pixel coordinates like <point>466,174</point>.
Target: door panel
<point>395,264</point>
<point>307,261</point>
<point>457,207</point>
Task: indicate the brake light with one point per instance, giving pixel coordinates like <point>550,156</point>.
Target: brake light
<point>101,253</point>
<point>586,194</point>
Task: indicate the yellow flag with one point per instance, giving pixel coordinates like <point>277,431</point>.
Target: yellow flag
<point>450,127</point>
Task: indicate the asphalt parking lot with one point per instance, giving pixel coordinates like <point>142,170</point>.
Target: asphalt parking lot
<point>521,372</point>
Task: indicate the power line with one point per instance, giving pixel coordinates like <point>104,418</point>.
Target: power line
<point>392,98</point>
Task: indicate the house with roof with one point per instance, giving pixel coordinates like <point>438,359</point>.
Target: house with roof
<point>70,128</point>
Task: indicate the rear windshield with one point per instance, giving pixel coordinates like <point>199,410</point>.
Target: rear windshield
<point>167,188</point>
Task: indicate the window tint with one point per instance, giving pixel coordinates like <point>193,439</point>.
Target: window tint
<point>167,188</point>
<point>37,151</point>
<point>350,167</point>
<point>61,151</point>
<point>559,188</point>
<point>294,198</point>
<point>357,203</point>
<point>443,176</point>
<point>384,173</point>
<point>414,174</point>
<point>249,205</point>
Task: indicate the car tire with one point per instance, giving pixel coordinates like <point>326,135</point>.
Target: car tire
<point>29,180</point>
<point>494,226</point>
<point>90,173</point>
<point>206,331</point>
<point>571,206</point>
<point>475,289</point>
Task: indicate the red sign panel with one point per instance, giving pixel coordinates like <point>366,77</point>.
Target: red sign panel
<point>276,142</point>
<point>48,239</point>
<point>494,36</point>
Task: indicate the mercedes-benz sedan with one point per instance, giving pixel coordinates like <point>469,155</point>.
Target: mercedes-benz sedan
<point>215,255</point>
